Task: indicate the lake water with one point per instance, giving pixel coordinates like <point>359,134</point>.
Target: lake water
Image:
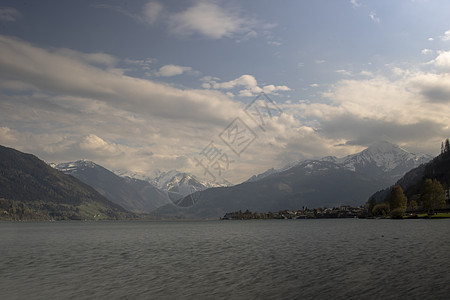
<point>259,259</point>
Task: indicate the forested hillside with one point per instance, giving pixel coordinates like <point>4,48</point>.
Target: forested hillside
<point>30,189</point>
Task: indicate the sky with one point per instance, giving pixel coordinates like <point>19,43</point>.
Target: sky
<point>222,89</point>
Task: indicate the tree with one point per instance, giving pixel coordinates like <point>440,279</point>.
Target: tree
<point>372,203</point>
<point>433,196</point>
<point>413,204</point>
<point>380,209</point>
<point>397,202</point>
<point>447,146</point>
<point>397,199</point>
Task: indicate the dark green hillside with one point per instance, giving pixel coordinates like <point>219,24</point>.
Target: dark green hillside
<point>30,189</point>
<point>438,168</point>
<point>412,182</point>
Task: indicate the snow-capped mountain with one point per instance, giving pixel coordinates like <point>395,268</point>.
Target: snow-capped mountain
<point>386,156</point>
<point>176,184</point>
<point>73,167</point>
<point>133,174</point>
<point>379,158</point>
<point>183,183</point>
<point>325,182</point>
<point>132,194</point>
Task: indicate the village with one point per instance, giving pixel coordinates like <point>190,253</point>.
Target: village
<point>344,211</point>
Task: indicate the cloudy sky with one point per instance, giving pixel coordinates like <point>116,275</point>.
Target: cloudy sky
<point>163,85</point>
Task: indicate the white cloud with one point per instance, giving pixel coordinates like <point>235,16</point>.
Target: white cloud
<point>76,107</point>
<point>373,17</point>
<point>53,72</point>
<point>355,3</point>
<point>172,70</point>
<point>442,61</point>
<point>151,12</point>
<point>203,17</point>
<point>101,59</point>
<point>319,61</point>
<point>426,51</point>
<point>273,43</point>
<point>7,136</point>
<point>210,20</point>
<point>9,14</point>
<point>269,89</point>
<point>411,108</point>
<point>446,36</point>
<point>144,64</point>
<point>366,73</point>
<point>249,83</point>
<point>98,146</point>
<point>88,111</point>
<point>431,39</point>
<point>344,72</point>
<point>244,80</point>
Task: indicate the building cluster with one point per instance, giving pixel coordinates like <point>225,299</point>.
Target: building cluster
<point>344,211</point>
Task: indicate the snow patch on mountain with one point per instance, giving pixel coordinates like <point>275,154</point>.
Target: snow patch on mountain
<point>70,167</point>
<point>174,181</point>
<point>384,155</point>
<point>133,175</point>
<point>184,183</point>
<point>380,156</point>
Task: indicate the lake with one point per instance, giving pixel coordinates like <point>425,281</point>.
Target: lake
<point>257,259</point>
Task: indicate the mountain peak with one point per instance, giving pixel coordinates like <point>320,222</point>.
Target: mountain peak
<point>183,183</point>
<point>384,155</point>
<point>69,167</point>
<point>384,147</point>
<point>380,156</point>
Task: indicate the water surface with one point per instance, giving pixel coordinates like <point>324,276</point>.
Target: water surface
<point>258,259</point>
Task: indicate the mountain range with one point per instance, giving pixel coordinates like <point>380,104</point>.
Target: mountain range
<point>174,181</point>
<point>329,182</point>
<point>180,184</point>
<point>133,194</point>
<point>381,158</point>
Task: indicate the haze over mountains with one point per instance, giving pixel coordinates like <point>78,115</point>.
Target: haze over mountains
<point>380,158</point>
<point>174,181</point>
<point>132,194</point>
<point>184,183</point>
<point>139,194</point>
<point>329,181</point>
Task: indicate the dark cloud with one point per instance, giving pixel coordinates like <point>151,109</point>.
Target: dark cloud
<point>436,94</point>
<point>9,14</point>
<point>364,131</point>
<point>67,73</point>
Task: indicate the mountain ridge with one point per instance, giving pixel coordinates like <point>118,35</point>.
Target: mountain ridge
<point>313,183</point>
<point>356,161</point>
<point>133,194</point>
<point>175,183</point>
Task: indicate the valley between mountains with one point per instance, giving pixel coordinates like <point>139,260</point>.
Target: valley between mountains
<point>326,182</point>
